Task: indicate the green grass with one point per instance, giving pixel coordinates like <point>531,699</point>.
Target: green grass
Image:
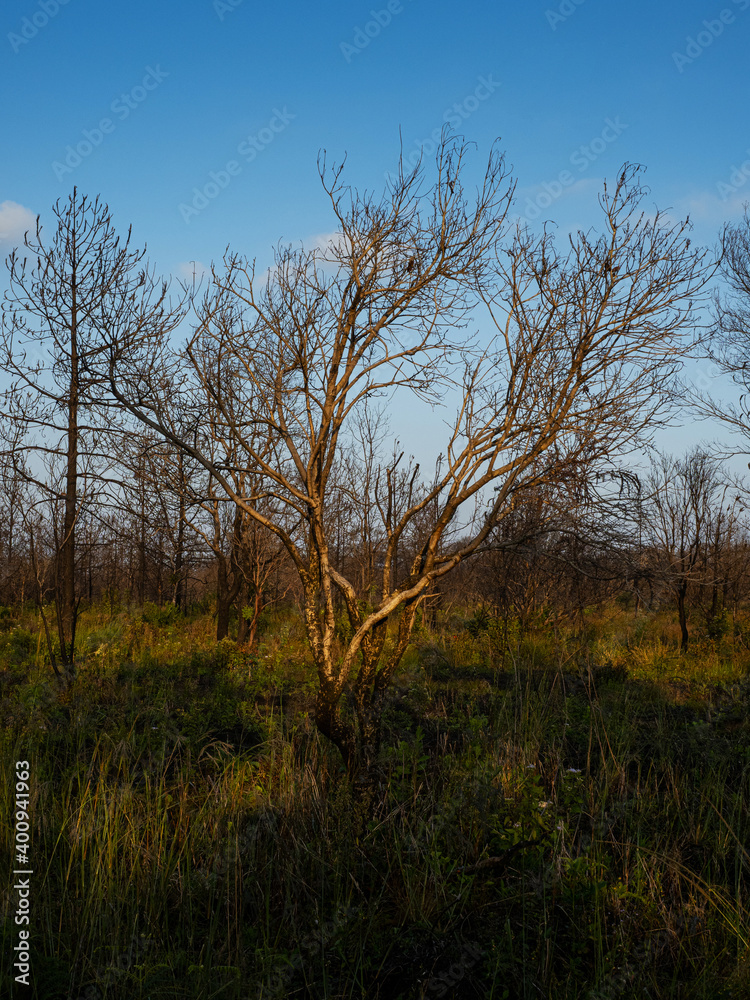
<point>563,814</point>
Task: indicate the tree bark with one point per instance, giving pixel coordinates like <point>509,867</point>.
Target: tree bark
<point>66,595</point>
<point>682,615</point>
<point>225,597</point>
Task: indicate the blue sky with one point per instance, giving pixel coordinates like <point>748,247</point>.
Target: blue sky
<point>142,102</point>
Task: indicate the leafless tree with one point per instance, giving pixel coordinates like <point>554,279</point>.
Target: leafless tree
<point>690,519</point>
<point>14,566</point>
<point>728,342</point>
<point>65,299</point>
<point>246,553</point>
<point>246,556</point>
<point>586,341</point>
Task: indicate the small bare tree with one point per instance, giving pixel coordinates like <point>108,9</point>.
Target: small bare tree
<point>63,303</point>
<point>688,523</point>
<point>246,556</point>
<point>586,342</point>
<point>14,552</point>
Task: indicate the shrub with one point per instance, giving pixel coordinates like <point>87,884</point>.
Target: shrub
<point>717,624</point>
<point>479,622</point>
<point>167,614</point>
<point>16,645</point>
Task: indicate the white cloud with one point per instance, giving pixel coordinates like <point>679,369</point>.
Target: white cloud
<point>15,220</point>
<point>707,211</point>
<point>708,208</point>
<point>325,241</point>
<point>325,244</point>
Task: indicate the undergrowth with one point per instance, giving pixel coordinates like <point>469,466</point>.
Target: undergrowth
<point>563,813</point>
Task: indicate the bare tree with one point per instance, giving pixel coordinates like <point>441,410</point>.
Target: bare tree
<point>262,560</point>
<point>690,518</point>
<point>61,306</point>
<point>587,340</point>
<point>728,342</point>
<point>14,564</point>
<point>246,555</point>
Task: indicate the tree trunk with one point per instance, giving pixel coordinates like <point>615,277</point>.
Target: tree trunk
<point>142,555</point>
<point>226,594</point>
<point>66,595</point>
<point>248,627</point>
<point>682,615</point>
<point>223,599</point>
<point>332,726</point>
<point>179,563</point>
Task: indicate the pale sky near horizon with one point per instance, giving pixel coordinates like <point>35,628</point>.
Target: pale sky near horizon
<point>200,122</point>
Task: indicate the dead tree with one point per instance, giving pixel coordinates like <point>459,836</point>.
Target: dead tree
<point>687,525</point>
<point>587,339</point>
<point>64,300</point>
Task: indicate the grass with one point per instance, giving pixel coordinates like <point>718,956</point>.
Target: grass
<point>563,814</point>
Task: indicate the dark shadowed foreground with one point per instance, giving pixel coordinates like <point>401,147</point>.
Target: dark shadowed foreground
<point>561,813</point>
